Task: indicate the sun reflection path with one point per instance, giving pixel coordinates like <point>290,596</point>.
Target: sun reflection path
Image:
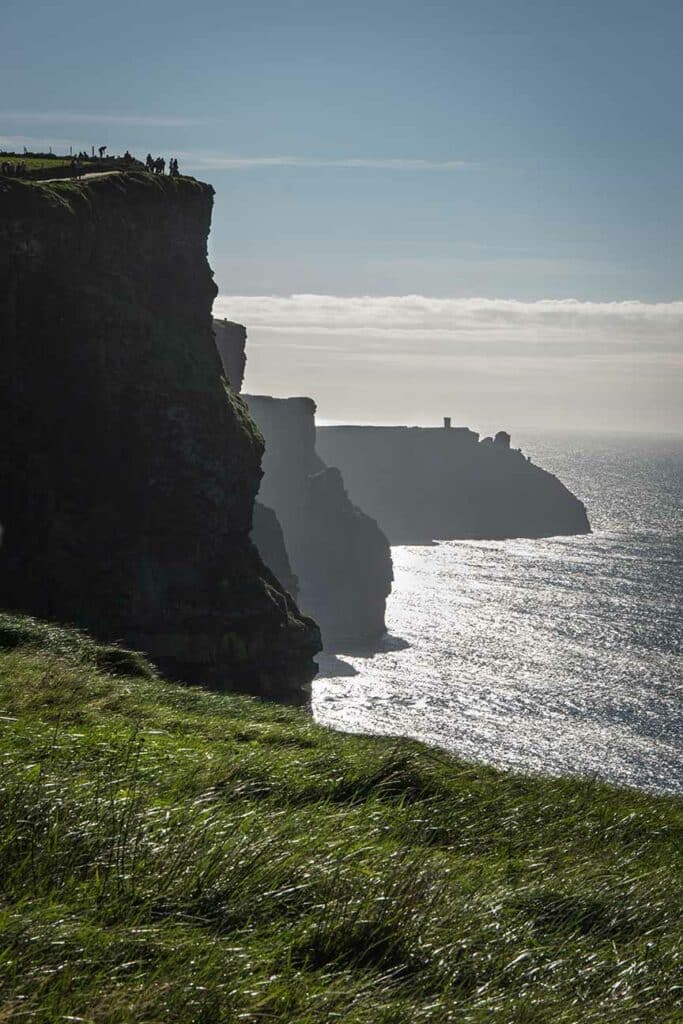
<point>555,656</point>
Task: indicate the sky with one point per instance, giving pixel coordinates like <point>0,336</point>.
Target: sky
<point>499,157</point>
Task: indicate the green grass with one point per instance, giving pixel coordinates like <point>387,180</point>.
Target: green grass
<point>168,854</point>
<point>36,163</point>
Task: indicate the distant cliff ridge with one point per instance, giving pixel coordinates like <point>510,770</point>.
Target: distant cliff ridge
<point>329,555</point>
<point>339,554</point>
<point>423,484</point>
<point>129,472</point>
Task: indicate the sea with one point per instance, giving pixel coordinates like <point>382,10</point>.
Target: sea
<point>559,656</point>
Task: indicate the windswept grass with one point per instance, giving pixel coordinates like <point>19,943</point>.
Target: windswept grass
<point>169,855</point>
<point>36,163</point>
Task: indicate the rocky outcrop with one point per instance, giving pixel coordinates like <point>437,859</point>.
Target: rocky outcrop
<point>129,471</point>
<point>231,339</point>
<point>424,484</point>
<point>339,554</point>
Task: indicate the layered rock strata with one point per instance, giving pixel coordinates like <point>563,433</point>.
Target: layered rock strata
<point>423,484</point>
<point>129,470</point>
<point>340,556</point>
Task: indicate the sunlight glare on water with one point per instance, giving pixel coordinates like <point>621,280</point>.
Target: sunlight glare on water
<point>559,656</point>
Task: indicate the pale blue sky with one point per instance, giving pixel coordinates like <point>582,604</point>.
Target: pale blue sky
<point>507,149</point>
<point>567,117</point>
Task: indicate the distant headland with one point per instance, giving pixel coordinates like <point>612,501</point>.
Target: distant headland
<point>444,483</point>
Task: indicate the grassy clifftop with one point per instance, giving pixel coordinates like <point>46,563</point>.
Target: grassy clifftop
<point>135,187</point>
<point>168,854</point>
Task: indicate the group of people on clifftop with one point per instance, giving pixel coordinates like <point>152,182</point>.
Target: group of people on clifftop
<point>15,170</point>
<point>80,163</point>
<point>157,165</point>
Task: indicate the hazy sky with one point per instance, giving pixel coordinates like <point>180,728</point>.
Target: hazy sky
<point>518,150</point>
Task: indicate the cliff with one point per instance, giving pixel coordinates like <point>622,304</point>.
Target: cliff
<point>128,470</point>
<point>267,534</point>
<point>424,484</point>
<point>339,554</point>
<point>231,339</point>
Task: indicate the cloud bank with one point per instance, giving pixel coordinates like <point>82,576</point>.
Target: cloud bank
<point>394,317</point>
<point>194,161</point>
<point>555,363</point>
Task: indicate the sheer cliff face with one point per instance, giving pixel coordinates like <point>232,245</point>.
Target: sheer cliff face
<point>231,339</point>
<point>267,535</point>
<point>438,484</point>
<point>339,554</point>
<point>129,470</point>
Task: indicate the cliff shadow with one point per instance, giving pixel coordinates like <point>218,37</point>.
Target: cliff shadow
<point>330,666</point>
<point>330,663</point>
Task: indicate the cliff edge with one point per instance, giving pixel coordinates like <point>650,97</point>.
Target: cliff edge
<point>129,469</point>
<point>423,484</point>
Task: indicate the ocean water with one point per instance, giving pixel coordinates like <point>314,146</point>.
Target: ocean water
<point>558,656</point>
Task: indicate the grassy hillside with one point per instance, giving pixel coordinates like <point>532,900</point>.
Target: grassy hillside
<point>168,854</point>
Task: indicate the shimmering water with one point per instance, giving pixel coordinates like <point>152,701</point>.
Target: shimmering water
<point>560,656</point>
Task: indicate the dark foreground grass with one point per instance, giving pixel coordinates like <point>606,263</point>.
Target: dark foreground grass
<point>168,854</point>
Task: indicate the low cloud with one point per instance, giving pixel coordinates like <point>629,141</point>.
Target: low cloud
<point>411,359</point>
<point>411,317</point>
<point>194,161</point>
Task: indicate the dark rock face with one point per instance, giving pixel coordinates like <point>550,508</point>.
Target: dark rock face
<point>231,339</point>
<point>128,470</point>
<point>268,537</point>
<point>339,554</point>
<point>438,484</point>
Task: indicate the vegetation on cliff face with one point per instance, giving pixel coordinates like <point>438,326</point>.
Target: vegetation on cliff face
<point>129,469</point>
<point>167,854</point>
